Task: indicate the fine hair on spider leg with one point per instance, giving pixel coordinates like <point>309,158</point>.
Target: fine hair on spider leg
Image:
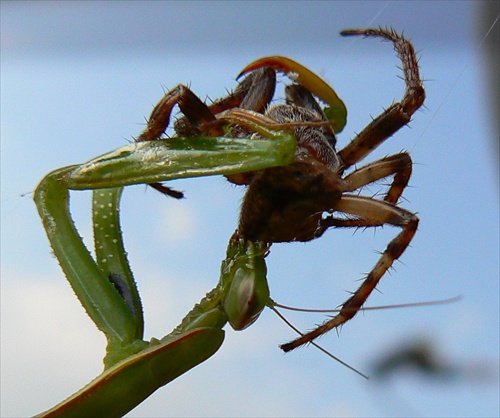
<point>274,307</point>
<point>399,113</point>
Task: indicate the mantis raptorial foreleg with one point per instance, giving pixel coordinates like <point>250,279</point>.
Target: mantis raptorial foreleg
<point>127,383</point>
<point>135,368</point>
<point>96,292</point>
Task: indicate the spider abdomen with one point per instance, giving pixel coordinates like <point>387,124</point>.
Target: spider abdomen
<point>286,203</point>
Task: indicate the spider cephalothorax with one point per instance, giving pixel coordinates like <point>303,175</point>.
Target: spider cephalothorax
<point>299,201</point>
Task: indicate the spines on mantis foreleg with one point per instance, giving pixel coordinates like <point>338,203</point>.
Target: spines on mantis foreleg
<point>111,256</point>
<point>163,160</point>
<point>92,287</point>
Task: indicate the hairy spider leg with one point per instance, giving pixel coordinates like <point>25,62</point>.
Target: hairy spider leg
<point>190,105</point>
<point>399,164</point>
<point>399,113</point>
<point>377,212</point>
<point>195,110</point>
<point>369,212</point>
<point>254,92</point>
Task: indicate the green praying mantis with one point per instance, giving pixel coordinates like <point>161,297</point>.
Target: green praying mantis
<point>291,178</point>
<point>105,285</point>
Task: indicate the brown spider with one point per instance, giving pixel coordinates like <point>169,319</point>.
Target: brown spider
<point>288,203</point>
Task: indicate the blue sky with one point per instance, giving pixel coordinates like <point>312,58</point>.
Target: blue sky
<point>78,79</point>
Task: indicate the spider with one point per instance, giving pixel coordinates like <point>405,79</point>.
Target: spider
<point>300,201</point>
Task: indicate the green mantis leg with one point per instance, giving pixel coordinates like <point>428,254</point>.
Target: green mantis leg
<point>135,368</point>
<point>144,162</point>
<point>95,291</point>
<point>122,387</point>
<point>110,252</point>
<point>126,384</point>
<point>242,291</point>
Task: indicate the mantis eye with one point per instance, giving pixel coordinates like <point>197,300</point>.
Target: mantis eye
<point>247,296</point>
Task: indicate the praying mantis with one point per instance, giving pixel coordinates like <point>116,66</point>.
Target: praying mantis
<point>285,154</point>
<point>105,286</point>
